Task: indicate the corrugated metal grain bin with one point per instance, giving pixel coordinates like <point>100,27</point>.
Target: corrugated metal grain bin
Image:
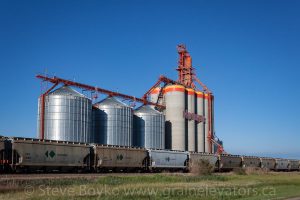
<point>197,157</point>
<point>268,163</point>
<point>113,122</point>
<point>110,157</point>
<point>32,153</point>
<point>229,162</point>
<point>167,159</point>
<point>282,164</point>
<point>68,116</point>
<point>149,128</point>
<point>294,165</point>
<point>249,161</point>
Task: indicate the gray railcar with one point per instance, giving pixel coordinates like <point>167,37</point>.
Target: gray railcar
<point>294,165</point>
<point>109,157</point>
<point>250,161</point>
<point>161,159</point>
<point>268,163</point>
<point>196,157</point>
<point>282,165</point>
<point>47,155</point>
<point>229,162</point>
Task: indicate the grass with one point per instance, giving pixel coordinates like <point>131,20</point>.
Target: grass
<point>157,178</point>
<point>160,186</point>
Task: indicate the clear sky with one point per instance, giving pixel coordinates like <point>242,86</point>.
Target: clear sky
<point>247,52</point>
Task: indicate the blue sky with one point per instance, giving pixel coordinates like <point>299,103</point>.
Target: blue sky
<point>247,52</point>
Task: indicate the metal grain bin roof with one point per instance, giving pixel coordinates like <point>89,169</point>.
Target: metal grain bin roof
<point>66,91</point>
<point>146,110</point>
<point>110,102</point>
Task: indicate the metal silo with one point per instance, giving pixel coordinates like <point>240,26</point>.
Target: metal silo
<point>113,122</point>
<point>175,121</point>
<point>67,116</point>
<point>200,125</point>
<point>191,121</point>
<point>149,128</point>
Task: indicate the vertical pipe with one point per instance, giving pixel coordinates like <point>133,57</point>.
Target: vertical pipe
<point>42,116</point>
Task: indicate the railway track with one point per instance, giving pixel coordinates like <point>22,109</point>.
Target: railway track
<point>20,177</point>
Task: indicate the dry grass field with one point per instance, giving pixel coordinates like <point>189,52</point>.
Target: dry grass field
<point>253,185</point>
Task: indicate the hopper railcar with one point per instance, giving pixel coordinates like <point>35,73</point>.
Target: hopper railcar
<point>117,158</point>
<point>34,155</point>
<point>29,154</point>
<point>229,162</point>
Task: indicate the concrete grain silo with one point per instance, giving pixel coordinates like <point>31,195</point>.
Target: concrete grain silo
<point>175,122</point>
<point>200,129</point>
<point>190,105</point>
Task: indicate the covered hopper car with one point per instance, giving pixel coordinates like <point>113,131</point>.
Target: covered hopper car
<point>116,158</point>
<point>294,165</point>
<point>167,160</point>
<point>47,155</point>
<point>32,155</point>
<point>229,162</point>
<point>250,161</point>
<point>282,165</point>
<point>268,163</point>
